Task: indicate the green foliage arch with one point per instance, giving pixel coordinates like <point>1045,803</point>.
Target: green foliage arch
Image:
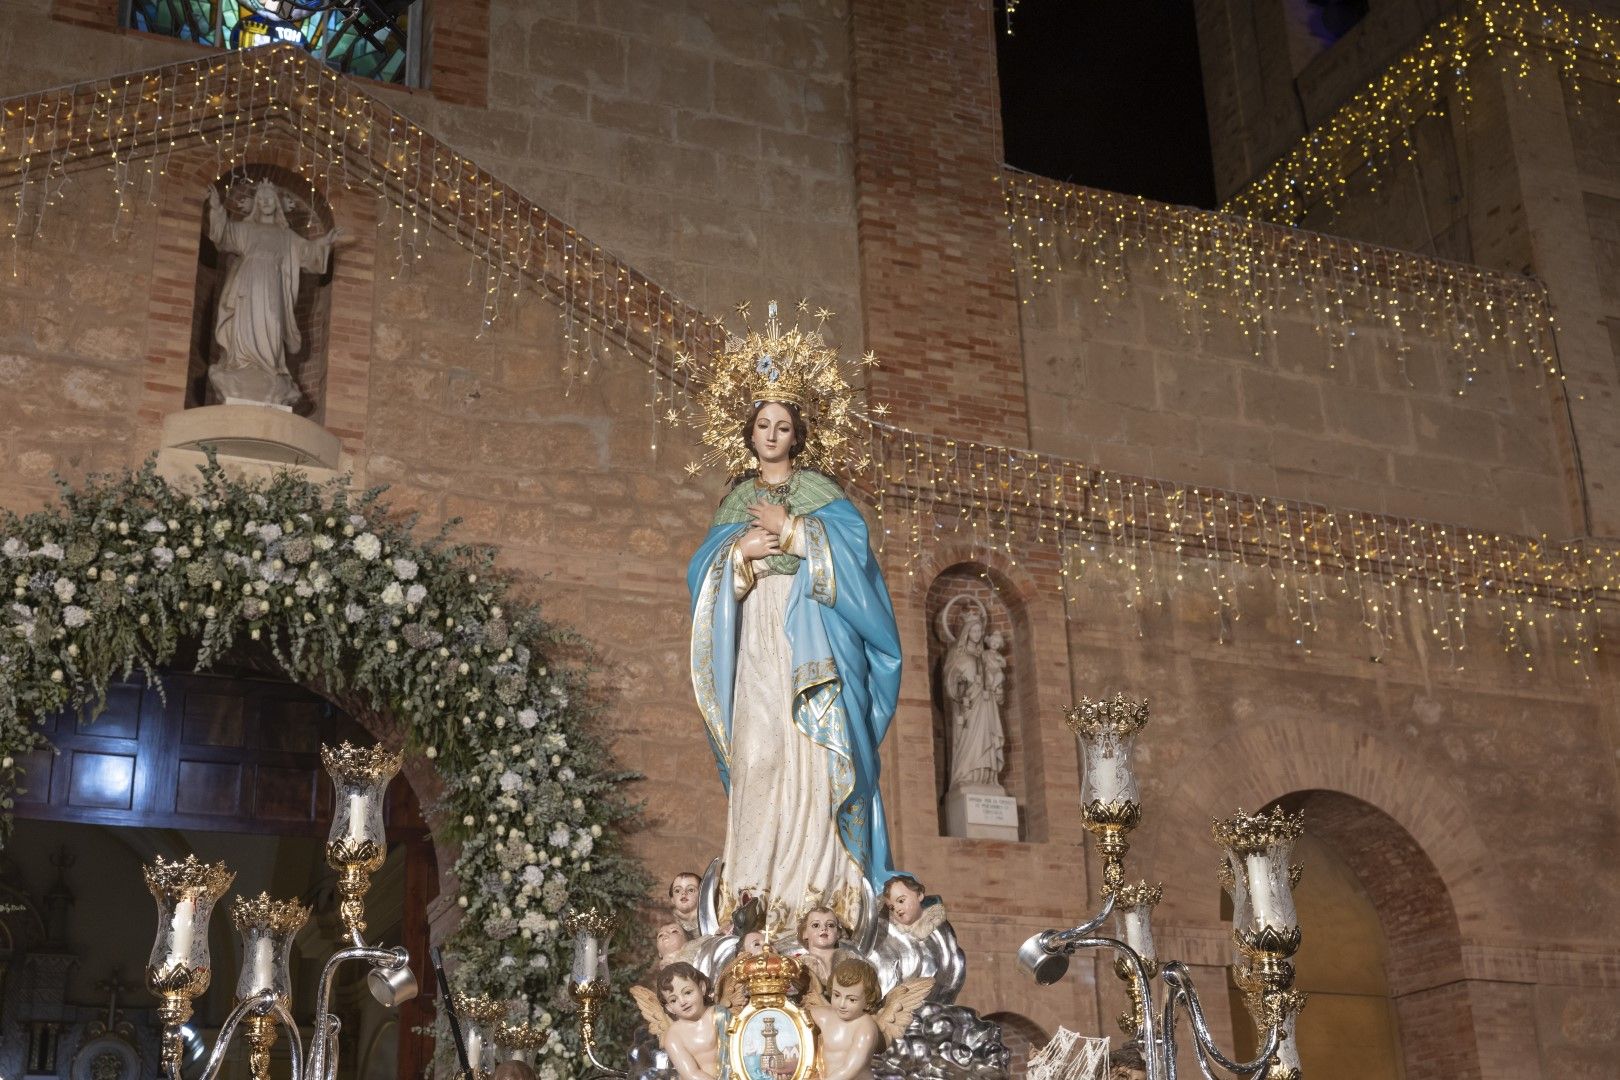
<point>126,568</point>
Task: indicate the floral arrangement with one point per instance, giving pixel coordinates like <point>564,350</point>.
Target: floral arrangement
<point>128,567</point>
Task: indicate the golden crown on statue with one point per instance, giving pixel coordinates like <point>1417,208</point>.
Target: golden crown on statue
<point>769,975</point>
<point>793,366</point>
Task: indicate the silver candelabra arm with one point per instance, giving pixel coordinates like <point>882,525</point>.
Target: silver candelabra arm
<point>391,983</point>
<point>264,1003</point>
<point>1045,957</point>
<point>1178,982</point>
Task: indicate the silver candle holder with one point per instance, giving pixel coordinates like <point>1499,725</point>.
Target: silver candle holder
<point>187,890</point>
<point>1265,928</point>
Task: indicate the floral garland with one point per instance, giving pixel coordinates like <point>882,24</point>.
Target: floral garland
<point>127,568</point>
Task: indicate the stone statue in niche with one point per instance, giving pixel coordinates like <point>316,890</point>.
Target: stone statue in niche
<point>255,323</point>
<point>974,676</point>
<point>973,687</point>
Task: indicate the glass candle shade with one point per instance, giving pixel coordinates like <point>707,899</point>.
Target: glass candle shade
<point>479,1019</point>
<point>186,891</point>
<point>590,930</point>
<point>1106,731</point>
<point>360,775</point>
<point>1258,847</point>
<point>267,928</point>
<point>1235,881</point>
<point>1133,916</point>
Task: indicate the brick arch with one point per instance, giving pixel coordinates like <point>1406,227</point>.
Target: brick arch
<point>1260,763</point>
<point>1424,956</point>
<point>1012,576</point>
<point>1021,1035</point>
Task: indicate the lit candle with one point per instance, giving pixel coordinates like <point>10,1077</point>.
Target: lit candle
<point>1269,893</point>
<point>263,964</point>
<point>1138,921</point>
<point>475,1045</point>
<point>181,929</point>
<point>587,958</point>
<point>359,810</point>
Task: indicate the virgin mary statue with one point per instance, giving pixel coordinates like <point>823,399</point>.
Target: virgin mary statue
<point>795,659</point>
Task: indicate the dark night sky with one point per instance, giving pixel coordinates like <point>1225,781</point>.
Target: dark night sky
<point>1107,93</point>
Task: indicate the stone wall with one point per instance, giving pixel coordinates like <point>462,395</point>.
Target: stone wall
<point>1136,383</point>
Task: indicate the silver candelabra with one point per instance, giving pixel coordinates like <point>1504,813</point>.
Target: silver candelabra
<point>186,891</point>
<point>1256,873</point>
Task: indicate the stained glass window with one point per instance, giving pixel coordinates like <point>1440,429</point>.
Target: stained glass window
<point>374,39</point>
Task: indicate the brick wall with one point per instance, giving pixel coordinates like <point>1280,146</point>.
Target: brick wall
<point>938,303</point>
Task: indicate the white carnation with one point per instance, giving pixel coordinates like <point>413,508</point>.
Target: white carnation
<point>528,718</point>
<point>353,612</point>
<point>13,548</point>
<point>393,595</point>
<point>50,550</point>
<point>405,569</point>
<point>74,616</point>
<point>510,781</point>
<point>64,589</point>
<point>415,594</point>
<point>367,546</point>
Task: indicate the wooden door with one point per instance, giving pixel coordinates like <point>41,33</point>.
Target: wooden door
<point>226,752</point>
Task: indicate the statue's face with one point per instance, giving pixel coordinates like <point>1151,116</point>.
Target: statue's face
<point>821,930</point>
<point>683,894</point>
<point>753,943</point>
<point>974,630</point>
<point>905,906</point>
<point>264,202</point>
<point>684,999</point>
<point>848,1001</point>
<point>772,435</point>
<point>670,939</point>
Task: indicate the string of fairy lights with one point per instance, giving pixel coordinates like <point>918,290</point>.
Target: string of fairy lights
<point>1374,130</point>
<point>1214,264</point>
<point>252,106</point>
<point>1152,539</point>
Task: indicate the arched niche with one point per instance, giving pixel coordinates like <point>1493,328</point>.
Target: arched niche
<point>959,588</point>
<point>1382,950</point>
<point>1021,1035</point>
<point>309,215</point>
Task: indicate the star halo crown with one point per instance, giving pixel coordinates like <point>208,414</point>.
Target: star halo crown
<point>793,366</point>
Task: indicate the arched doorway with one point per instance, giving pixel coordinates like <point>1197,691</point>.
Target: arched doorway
<point>223,765</point>
<point>1382,971</point>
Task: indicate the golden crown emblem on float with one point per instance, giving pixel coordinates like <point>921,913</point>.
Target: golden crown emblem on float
<point>771,1038</point>
<point>792,366</point>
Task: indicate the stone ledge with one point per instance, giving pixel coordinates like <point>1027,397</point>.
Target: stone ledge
<point>257,433</point>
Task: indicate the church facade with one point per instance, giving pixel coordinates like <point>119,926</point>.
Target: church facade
<point>1330,479</point>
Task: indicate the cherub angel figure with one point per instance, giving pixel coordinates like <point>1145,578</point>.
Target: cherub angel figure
<point>682,1015</point>
<point>859,1020</point>
<point>819,931</point>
